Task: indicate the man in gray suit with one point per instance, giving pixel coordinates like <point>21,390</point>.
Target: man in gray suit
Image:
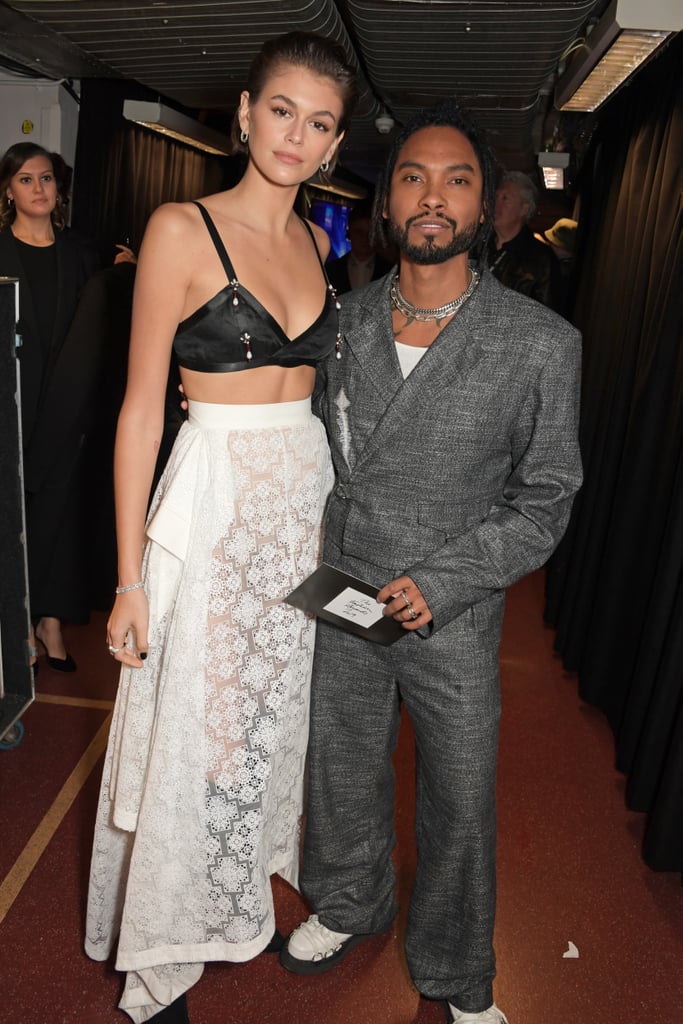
<point>452,416</point>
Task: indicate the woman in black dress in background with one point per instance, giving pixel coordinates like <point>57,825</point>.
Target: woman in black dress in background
<point>51,266</point>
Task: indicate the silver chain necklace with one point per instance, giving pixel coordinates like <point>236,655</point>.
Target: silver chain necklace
<point>438,313</point>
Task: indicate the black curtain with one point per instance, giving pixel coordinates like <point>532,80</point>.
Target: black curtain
<point>615,585</point>
<point>123,172</point>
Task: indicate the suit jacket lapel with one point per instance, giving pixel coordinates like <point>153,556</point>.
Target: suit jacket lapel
<point>451,357</point>
<point>371,342</point>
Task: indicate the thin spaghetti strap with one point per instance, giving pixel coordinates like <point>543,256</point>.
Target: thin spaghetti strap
<point>332,291</point>
<point>315,246</point>
<point>218,243</point>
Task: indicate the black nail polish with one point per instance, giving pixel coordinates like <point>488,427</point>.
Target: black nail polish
<point>143,655</point>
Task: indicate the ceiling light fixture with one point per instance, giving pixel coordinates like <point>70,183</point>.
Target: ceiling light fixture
<point>177,126</point>
<point>384,123</point>
<point>625,37</point>
<point>553,166</point>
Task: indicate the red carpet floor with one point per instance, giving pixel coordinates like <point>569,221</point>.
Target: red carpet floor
<point>569,870</point>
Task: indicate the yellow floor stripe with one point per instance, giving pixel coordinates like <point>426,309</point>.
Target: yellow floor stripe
<point>74,702</point>
<point>32,852</point>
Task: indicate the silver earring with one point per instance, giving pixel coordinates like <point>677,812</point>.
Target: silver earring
<point>325,166</point>
<point>244,137</point>
<point>10,201</point>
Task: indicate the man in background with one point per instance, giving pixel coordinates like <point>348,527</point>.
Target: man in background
<point>515,257</point>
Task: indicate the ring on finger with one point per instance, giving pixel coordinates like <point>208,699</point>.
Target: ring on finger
<point>409,603</point>
<point>113,650</point>
<point>412,612</point>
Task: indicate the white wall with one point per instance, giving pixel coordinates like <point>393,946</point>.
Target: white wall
<point>38,110</point>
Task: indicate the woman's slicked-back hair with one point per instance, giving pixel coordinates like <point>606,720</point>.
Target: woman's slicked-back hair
<point>446,113</point>
<point>13,160</point>
<point>307,50</point>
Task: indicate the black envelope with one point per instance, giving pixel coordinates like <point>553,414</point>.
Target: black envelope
<point>327,584</point>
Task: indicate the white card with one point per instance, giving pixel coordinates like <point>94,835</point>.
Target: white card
<point>350,604</point>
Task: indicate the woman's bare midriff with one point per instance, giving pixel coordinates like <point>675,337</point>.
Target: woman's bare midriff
<point>263,385</point>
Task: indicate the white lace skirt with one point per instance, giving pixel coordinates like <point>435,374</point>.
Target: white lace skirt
<point>203,780</point>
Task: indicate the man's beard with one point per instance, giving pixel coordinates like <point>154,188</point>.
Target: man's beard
<point>428,252</point>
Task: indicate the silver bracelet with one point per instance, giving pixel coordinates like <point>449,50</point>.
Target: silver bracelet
<point>131,586</point>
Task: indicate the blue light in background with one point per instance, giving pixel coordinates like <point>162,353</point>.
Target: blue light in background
<point>333,217</point>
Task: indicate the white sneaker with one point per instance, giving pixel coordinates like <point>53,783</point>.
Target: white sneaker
<point>491,1016</point>
<point>312,948</point>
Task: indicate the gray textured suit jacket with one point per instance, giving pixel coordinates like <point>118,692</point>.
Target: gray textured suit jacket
<point>463,475</point>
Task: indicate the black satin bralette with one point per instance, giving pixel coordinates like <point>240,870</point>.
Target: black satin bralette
<point>233,331</point>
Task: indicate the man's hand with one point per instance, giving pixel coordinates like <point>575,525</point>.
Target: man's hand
<point>405,603</point>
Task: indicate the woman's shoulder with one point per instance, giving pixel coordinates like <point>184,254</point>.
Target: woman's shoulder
<point>174,245</point>
<point>173,230</point>
<point>71,239</point>
<point>172,217</point>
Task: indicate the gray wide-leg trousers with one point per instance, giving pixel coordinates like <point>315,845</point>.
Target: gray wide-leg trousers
<point>449,686</point>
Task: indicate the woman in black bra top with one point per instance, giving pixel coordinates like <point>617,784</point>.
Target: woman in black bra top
<point>203,781</point>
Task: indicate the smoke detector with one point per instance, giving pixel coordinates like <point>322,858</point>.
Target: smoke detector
<point>384,123</point>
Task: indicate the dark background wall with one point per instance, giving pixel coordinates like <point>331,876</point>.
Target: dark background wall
<point>123,172</point>
<point>615,586</point>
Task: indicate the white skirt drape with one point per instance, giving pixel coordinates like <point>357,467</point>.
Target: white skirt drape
<point>202,787</point>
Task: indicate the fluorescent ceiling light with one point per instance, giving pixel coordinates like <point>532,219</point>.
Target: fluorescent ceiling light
<point>553,167</point>
<point>625,55</point>
<point>553,179</point>
<point>625,37</point>
<point>174,125</point>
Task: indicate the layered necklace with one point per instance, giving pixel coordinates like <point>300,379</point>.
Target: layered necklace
<point>437,313</point>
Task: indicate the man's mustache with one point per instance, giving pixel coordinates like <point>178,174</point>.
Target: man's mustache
<point>429,217</point>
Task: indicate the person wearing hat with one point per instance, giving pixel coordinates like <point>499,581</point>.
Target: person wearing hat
<point>562,237</point>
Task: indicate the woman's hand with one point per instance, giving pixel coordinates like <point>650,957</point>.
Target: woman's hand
<point>127,628</point>
<point>405,603</point>
<point>125,254</point>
